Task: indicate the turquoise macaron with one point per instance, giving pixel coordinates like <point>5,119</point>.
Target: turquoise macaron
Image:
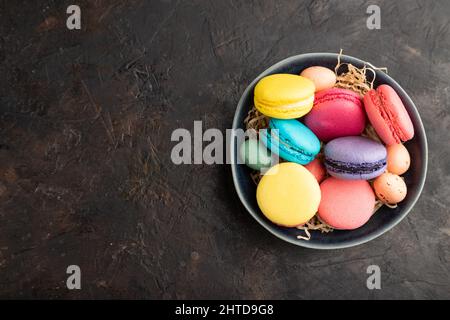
<point>291,140</point>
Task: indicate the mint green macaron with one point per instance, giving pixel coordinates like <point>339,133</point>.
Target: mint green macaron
<point>255,155</point>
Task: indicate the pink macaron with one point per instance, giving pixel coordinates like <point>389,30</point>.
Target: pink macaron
<point>346,204</point>
<point>388,115</point>
<point>336,113</point>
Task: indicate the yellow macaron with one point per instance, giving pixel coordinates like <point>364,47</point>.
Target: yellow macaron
<point>288,194</point>
<point>284,96</point>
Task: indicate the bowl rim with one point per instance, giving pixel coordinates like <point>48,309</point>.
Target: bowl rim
<point>325,246</point>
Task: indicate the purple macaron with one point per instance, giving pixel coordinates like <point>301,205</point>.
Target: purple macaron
<point>355,158</point>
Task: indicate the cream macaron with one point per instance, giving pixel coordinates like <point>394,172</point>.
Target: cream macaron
<point>322,77</point>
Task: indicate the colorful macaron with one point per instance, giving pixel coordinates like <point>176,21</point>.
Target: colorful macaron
<point>346,204</point>
<point>355,158</point>
<point>322,77</point>
<point>255,154</point>
<point>336,113</point>
<point>288,194</point>
<point>388,115</point>
<point>284,96</point>
<point>291,140</point>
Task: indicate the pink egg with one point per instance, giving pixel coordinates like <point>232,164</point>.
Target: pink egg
<point>322,77</point>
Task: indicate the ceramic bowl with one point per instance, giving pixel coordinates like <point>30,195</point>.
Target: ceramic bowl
<point>385,218</point>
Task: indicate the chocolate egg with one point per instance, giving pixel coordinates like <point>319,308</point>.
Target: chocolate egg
<point>322,77</point>
<point>398,159</point>
<point>390,188</point>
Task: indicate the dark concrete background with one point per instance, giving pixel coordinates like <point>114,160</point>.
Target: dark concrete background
<point>85,171</point>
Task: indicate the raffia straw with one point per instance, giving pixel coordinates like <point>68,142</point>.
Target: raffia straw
<point>308,235</point>
<point>391,206</point>
<point>370,133</point>
<point>256,120</point>
<point>256,177</point>
<point>313,224</point>
<point>378,205</point>
<point>355,78</point>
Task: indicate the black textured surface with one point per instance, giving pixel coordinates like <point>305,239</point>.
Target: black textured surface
<point>85,172</point>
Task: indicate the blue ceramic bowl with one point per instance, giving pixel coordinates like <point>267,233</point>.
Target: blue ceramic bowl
<point>385,218</point>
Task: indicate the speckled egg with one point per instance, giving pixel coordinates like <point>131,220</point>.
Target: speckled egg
<point>322,77</point>
<point>255,155</point>
<point>390,188</point>
<point>398,159</point>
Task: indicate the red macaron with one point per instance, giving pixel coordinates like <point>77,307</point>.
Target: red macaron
<point>388,115</point>
<point>336,113</point>
<point>317,168</point>
<point>346,204</point>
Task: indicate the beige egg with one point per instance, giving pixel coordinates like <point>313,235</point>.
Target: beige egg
<point>398,159</point>
<point>322,77</point>
<point>390,188</point>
